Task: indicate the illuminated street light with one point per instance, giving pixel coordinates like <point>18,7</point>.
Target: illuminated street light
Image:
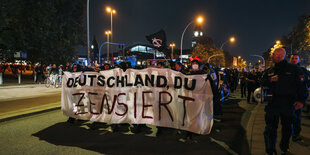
<point>278,42</point>
<point>199,20</point>
<point>172,45</point>
<point>231,39</point>
<point>111,11</point>
<point>108,32</point>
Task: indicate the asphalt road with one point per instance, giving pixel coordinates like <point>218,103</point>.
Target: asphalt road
<point>49,133</point>
<point>12,105</point>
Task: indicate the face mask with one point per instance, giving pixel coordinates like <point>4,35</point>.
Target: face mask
<point>195,67</point>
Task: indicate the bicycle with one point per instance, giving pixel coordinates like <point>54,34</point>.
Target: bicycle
<point>52,80</point>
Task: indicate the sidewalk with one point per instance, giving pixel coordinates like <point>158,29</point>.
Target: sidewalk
<point>256,127</point>
<point>27,99</point>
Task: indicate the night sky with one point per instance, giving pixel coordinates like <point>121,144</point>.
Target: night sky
<point>256,24</point>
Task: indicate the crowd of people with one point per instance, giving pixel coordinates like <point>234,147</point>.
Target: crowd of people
<point>285,87</point>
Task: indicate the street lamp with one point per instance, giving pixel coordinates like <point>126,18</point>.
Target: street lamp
<point>214,56</point>
<point>261,58</point>
<point>199,20</point>
<point>108,32</point>
<point>278,42</point>
<point>231,39</point>
<point>172,46</point>
<point>111,11</point>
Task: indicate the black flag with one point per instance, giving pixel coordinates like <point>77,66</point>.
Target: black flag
<point>158,40</point>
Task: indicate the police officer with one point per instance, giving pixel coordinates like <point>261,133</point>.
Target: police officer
<point>297,121</point>
<point>285,82</point>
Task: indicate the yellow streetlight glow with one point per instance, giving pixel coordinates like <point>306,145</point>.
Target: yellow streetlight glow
<point>109,10</point>
<point>239,57</point>
<point>108,32</point>
<point>278,42</point>
<point>172,44</point>
<point>232,39</point>
<point>200,19</point>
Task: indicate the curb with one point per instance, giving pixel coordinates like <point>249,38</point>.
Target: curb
<point>29,111</point>
<point>250,125</point>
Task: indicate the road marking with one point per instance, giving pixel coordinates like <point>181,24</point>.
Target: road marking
<point>224,145</point>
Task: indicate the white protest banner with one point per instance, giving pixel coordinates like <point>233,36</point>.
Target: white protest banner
<point>160,97</point>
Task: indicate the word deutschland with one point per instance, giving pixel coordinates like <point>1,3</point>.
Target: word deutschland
<point>123,81</point>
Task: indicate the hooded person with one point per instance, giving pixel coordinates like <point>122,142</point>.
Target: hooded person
<point>179,67</point>
<point>196,68</point>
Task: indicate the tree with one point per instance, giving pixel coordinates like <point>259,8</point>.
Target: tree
<point>299,38</point>
<point>205,48</point>
<point>49,31</point>
<point>204,53</point>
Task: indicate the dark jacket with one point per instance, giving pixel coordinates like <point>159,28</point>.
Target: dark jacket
<point>289,87</point>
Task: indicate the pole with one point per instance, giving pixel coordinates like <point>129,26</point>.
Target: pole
<point>291,49</point>
<point>19,78</point>
<point>109,43</point>
<point>1,78</point>
<point>183,36</point>
<point>172,52</point>
<point>99,57</point>
<point>261,58</point>
<point>35,77</point>
<point>214,56</point>
<point>112,34</point>
<point>108,48</point>
<point>224,44</point>
<point>88,30</point>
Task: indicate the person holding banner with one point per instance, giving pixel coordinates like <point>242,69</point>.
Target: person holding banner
<point>195,70</point>
<point>75,68</point>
